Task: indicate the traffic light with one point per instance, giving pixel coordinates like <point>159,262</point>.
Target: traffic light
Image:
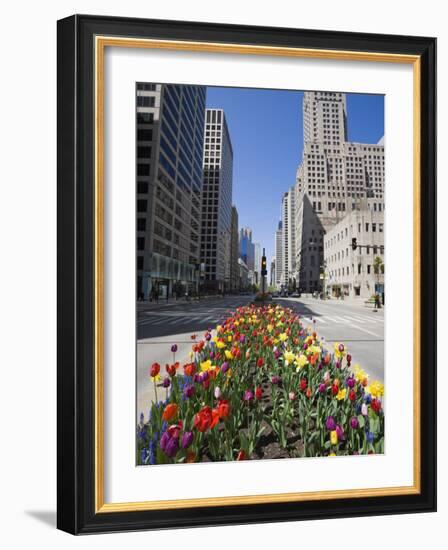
<point>354,243</point>
<point>264,270</point>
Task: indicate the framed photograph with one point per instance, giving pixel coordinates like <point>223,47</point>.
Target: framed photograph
<point>246,274</point>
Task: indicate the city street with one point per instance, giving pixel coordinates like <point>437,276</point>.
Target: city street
<point>359,327</point>
<point>159,326</point>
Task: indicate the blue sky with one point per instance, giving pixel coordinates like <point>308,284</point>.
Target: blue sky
<point>266,129</point>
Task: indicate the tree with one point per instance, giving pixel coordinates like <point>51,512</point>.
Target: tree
<point>378,268</point>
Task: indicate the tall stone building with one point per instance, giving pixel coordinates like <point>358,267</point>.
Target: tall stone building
<point>278,255</point>
<point>234,252</point>
<point>170,123</point>
<point>333,179</point>
<point>217,202</point>
<point>288,238</point>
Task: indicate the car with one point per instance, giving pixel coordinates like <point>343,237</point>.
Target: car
<point>296,295</point>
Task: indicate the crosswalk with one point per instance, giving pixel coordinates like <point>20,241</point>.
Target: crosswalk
<point>347,319</point>
<point>215,317</point>
<point>175,319</point>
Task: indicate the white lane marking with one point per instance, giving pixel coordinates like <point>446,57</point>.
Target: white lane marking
<point>357,320</point>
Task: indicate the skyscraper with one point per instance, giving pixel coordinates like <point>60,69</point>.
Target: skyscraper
<point>170,122</point>
<point>217,202</point>
<point>334,178</point>
<point>288,237</point>
<point>234,252</point>
<point>278,254</point>
<point>247,248</point>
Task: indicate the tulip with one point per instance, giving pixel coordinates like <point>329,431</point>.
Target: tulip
<point>170,412</point>
<point>333,437</point>
<point>174,348</point>
<point>248,396</point>
<point>241,455</point>
<point>354,422</point>
<point>223,409</point>
<point>292,396</point>
<point>340,432</point>
<point>330,424</point>
<point>351,382</point>
<point>364,409</point>
<point>258,393</point>
<point>154,370</point>
<point>308,392</point>
<point>352,395</point>
<point>260,362</point>
<point>166,383</point>
<point>225,367</point>
<point>327,376</point>
<point>275,380</point>
<point>172,446</point>
<point>189,391</point>
<point>187,440</point>
<point>322,388</point>
<point>376,405</point>
<point>303,384</point>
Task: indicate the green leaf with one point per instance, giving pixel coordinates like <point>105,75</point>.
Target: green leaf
<point>361,421</point>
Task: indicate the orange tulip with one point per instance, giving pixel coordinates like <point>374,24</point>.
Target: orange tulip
<point>170,412</point>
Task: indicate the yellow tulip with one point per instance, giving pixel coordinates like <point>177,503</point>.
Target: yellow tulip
<point>334,437</point>
<point>341,394</point>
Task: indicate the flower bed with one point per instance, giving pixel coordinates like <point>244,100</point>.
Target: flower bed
<point>262,387</point>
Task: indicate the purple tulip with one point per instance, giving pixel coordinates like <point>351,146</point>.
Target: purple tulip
<point>341,347</point>
<point>225,367</point>
<point>208,336</point>
<point>354,422</point>
<point>338,364</point>
<point>248,395</point>
<point>277,353</point>
<point>172,446</point>
<point>189,391</point>
<point>351,382</point>
<point>205,376</point>
<point>339,432</point>
<point>305,346</point>
<point>174,348</point>
<point>212,355</point>
<point>330,424</point>
<point>275,380</point>
<point>242,339</point>
<point>164,440</point>
<point>166,382</point>
<point>197,378</point>
<point>322,388</point>
<point>187,440</point>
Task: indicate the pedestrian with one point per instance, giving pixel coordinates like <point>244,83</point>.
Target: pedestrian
<point>377,301</point>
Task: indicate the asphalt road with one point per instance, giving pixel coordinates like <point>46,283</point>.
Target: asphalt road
<point>181,317</point>
<point>359,327</point>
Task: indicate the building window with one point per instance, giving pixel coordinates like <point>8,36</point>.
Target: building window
<point>143,169</point>
<point>145,101</point>
<point>141,224</point>
<point>368,269</point>
<point>367,227</point>
<point>142,205</point>
<point>142,187</point>
<point>140,243</point>
<point>140,262</point>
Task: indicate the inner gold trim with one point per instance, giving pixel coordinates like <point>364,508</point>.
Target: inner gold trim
<point>101,42</point>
